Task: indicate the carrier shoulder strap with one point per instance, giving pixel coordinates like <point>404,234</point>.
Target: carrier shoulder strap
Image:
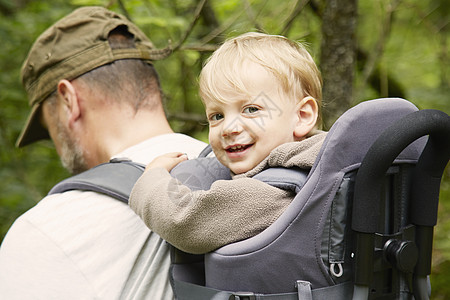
<point>280,177</point>
<point>115,178</point>
<point>201,173</point>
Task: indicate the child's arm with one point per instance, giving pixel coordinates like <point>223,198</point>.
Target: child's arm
<point>201,221</point>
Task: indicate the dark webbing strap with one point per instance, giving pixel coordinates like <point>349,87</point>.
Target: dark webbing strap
<point>188,291</point>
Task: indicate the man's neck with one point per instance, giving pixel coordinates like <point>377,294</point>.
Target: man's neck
<point>121,131</point>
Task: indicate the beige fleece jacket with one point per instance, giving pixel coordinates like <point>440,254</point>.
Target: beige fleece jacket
<point>232,210</point>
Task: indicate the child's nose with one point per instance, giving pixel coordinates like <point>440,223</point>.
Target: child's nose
<point>232,128</point>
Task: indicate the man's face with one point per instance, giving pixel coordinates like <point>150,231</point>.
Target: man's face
<point>67,146</point>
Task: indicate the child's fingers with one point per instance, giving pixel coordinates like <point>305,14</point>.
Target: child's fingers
<point>171,162</point>
<point>182,157</point>
<point>173,154</point>
<point>167,161</point>
<point>176,157</point>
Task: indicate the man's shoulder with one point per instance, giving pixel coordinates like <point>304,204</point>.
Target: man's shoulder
<point>147,150</point>
<point>179,139</point>
<point>64,216</point>
<point>87,233</point>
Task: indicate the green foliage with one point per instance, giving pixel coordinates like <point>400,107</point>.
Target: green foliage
<point>441,254</point>
<point>25,175</point>
<point>411,36</point>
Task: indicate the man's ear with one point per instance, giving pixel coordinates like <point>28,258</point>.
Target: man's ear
<point>307,114</point>
<point>70,101</point>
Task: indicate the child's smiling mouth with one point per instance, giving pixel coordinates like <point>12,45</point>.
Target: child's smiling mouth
<point>237,148</point>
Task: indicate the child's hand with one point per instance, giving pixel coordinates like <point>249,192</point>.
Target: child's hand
<point>167,161</point>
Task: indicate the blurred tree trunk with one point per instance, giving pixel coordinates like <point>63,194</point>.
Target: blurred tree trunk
<point>337,61</point>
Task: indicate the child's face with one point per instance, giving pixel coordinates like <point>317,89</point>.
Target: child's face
<point>243,131</point>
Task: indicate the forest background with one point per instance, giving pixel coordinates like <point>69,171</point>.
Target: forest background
<point>365,50</point>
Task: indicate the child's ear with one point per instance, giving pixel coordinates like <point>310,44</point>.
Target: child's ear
<point>307,114</point>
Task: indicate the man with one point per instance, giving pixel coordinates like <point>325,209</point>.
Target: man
<point>94,92</point>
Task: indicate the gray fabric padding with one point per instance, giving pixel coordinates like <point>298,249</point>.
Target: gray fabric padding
<point>200,173</point>
<point>115,179</point>
<point>289,249</point>
<point>286,179</point>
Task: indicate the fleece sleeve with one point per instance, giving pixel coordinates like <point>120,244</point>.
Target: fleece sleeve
<point>202,221</point>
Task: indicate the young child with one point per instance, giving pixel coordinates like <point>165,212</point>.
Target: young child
<point>262,95</point>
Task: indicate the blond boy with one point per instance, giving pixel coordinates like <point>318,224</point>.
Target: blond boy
<point>262,95</point>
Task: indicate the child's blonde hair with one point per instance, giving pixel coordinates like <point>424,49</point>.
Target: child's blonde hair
<point>287,60</point>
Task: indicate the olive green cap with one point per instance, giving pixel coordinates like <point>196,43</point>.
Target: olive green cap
<point>74,45</point>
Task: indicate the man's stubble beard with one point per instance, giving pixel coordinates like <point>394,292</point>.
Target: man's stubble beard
<point>72,155</point>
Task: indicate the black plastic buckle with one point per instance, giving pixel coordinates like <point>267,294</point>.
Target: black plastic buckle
<point>119,160</point>
<point>243,296</point>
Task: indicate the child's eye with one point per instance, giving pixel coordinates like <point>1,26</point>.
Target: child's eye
<point>251,109</point>
<point>216,117</point>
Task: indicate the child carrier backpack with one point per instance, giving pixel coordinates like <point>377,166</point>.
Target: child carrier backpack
<point>361,224</point>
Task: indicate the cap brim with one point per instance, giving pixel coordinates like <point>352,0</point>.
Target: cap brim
<point>33,130</point>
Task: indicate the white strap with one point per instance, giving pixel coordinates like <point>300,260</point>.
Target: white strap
<point>304,290</point>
